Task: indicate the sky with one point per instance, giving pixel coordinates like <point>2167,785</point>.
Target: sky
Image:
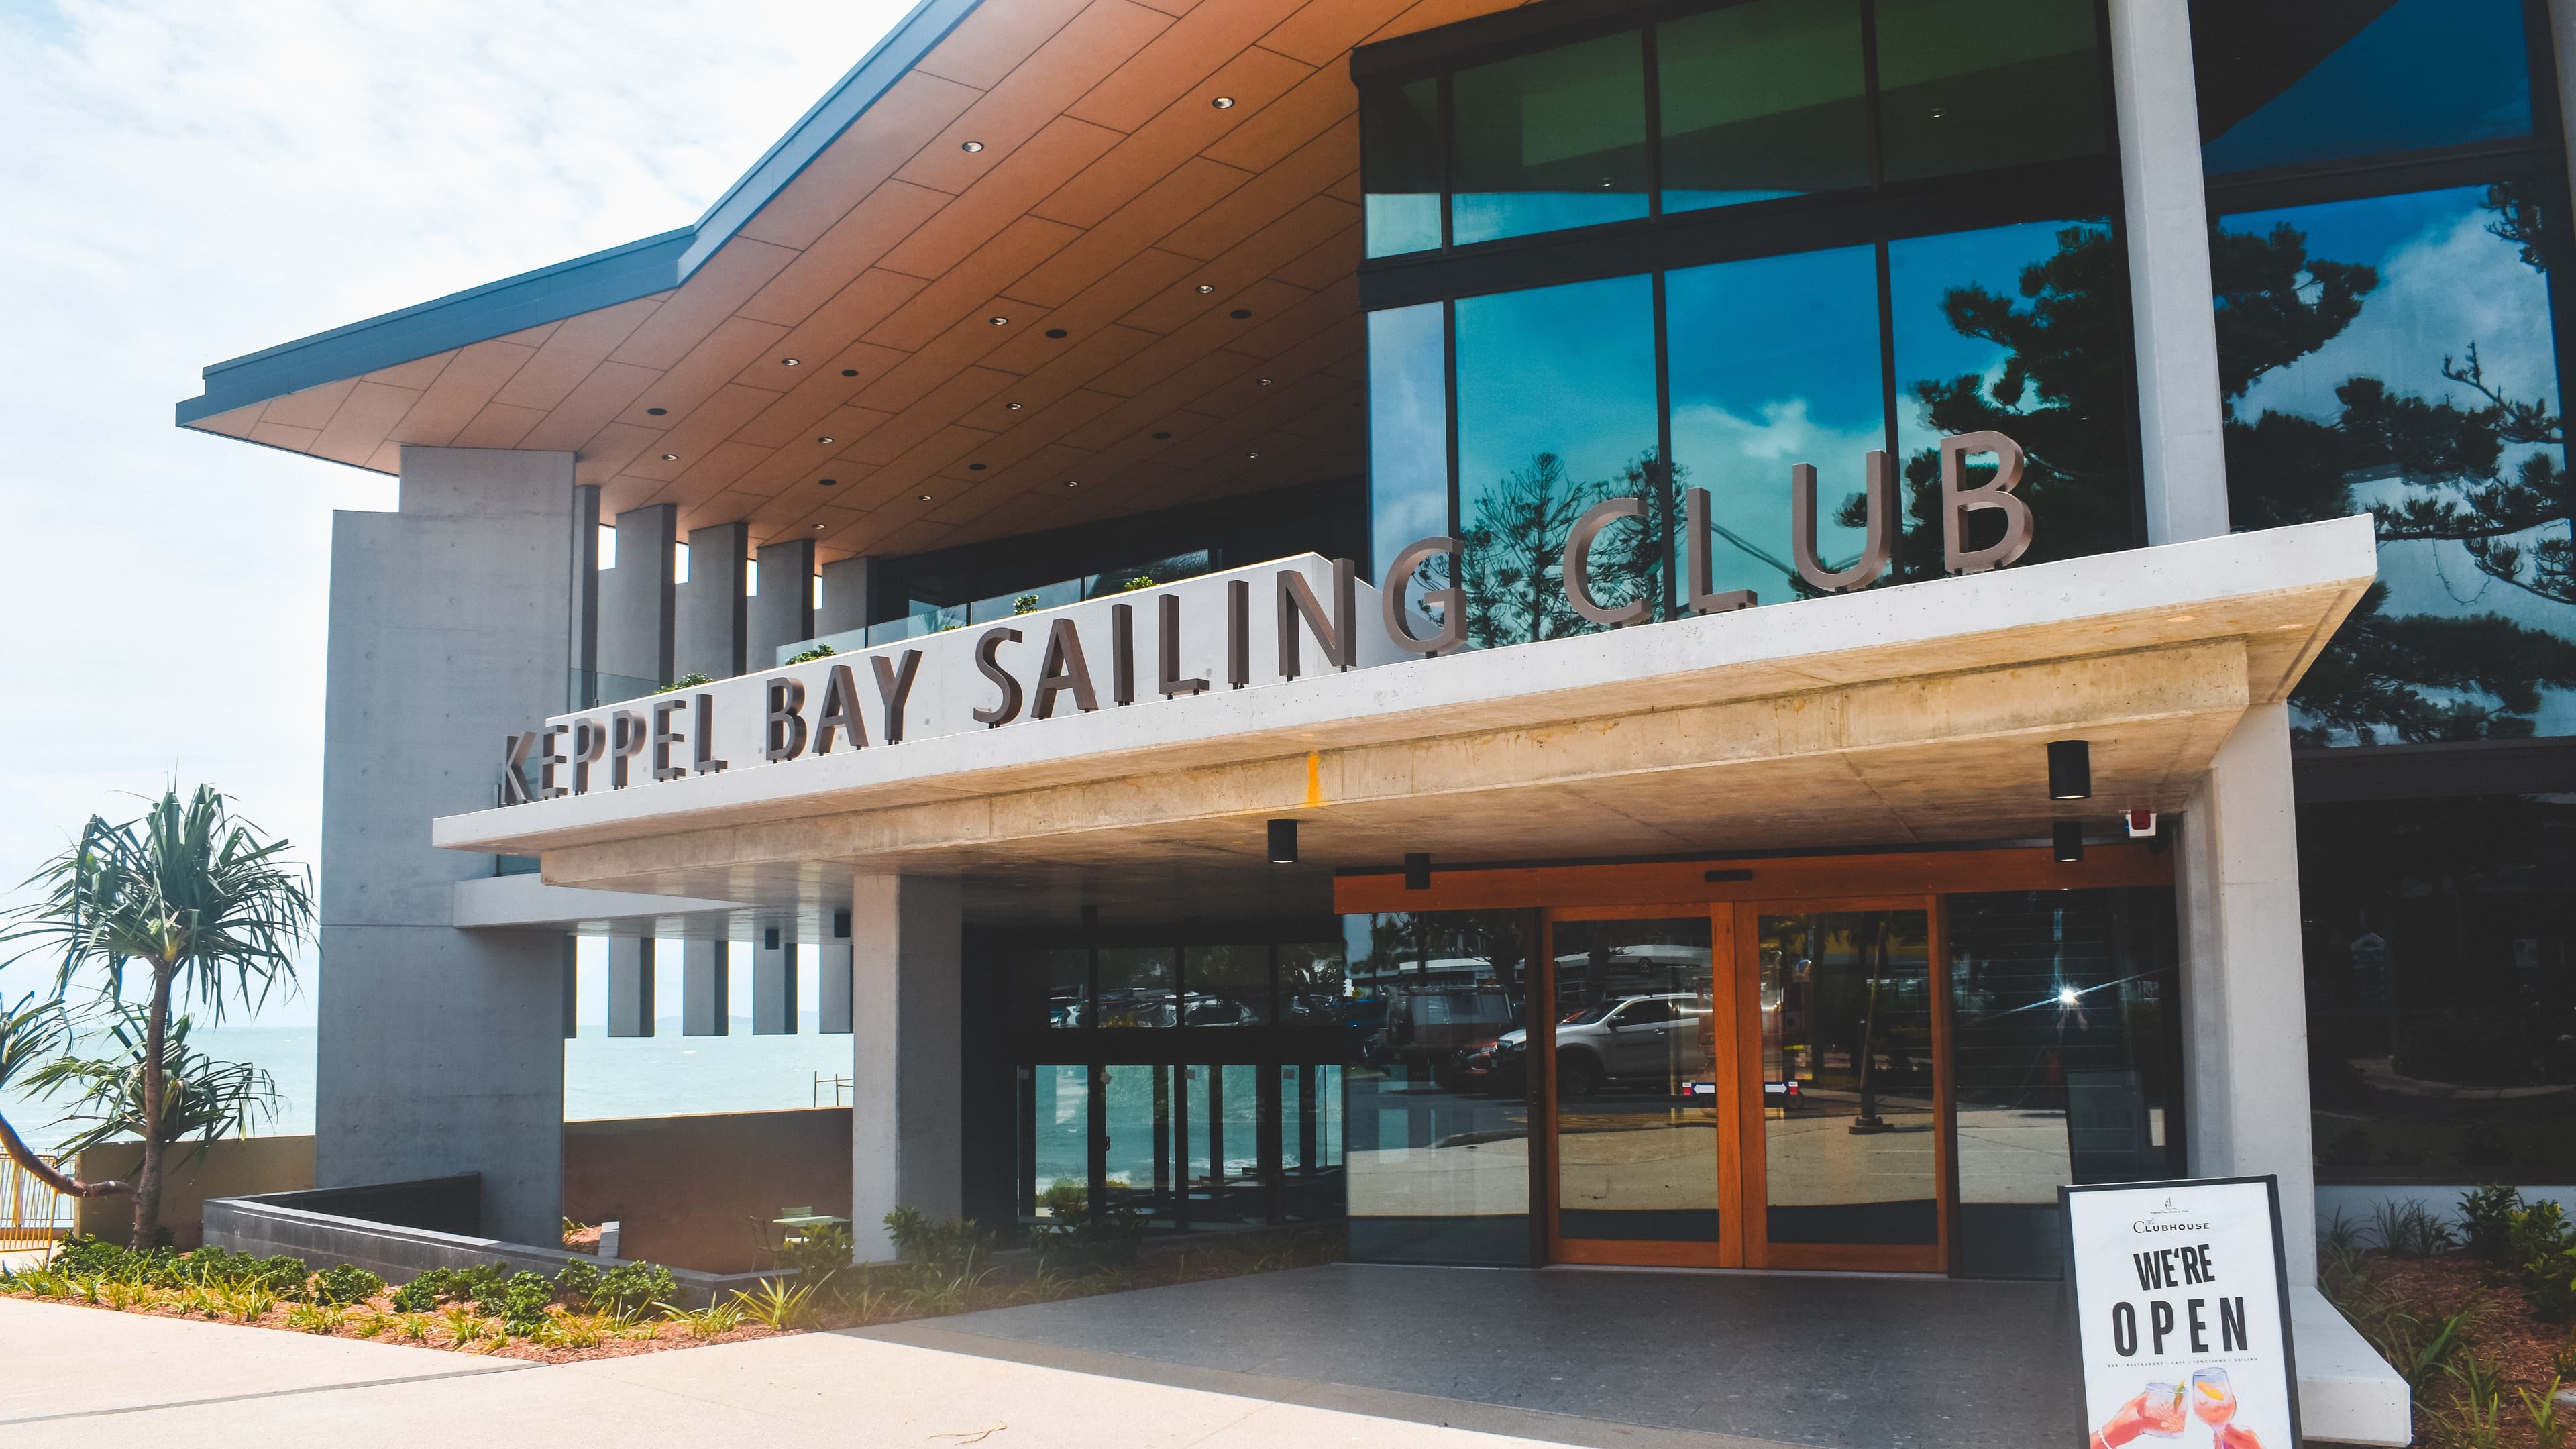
<point>188,183</point>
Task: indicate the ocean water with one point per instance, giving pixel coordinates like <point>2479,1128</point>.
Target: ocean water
<point>662,1075</point>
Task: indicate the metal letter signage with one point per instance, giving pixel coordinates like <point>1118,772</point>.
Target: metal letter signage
<point>1208,624</point>
<point>1957,499</point>
<point>1878,503</point>
<point>2182,1312</point>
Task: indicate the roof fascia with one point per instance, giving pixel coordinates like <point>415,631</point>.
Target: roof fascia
<point>584,284</point>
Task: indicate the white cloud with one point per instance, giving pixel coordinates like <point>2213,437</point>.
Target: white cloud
<point>190,183</point>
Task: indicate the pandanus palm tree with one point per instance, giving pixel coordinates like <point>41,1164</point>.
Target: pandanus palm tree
<point>202,903</point>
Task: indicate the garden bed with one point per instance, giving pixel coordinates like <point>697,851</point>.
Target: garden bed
<point>573,1319</point>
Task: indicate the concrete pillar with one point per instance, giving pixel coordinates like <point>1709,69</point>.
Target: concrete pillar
<point>706,988</point>
<point>847,596</point>
<point>637,599</point>
<point>905,947</point>
<point>710,608</point>
<point>571,987</point>
<point>832,979</point>
<point>630,985</point>
<point>773,983</point>
<point>783,611</point>
<point>2166,218</point>
<point>2245,1034</point>
<point>582,633</point>
<point>438,1050</point>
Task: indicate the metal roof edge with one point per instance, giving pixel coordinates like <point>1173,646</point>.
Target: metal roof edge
<point>583,284</point>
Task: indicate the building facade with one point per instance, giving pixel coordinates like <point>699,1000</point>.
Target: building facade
<point>1696,634</point>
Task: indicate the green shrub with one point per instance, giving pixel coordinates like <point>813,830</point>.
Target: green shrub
<point>347,1283</point>
<point>819,651</point>
<point>690,680</point>
<point>577,1283</point>
<point>945,1250</point>
<point>1090,1244</point>
<point>820,1257</point>
<point>630,1287</point>
<point>2487,1213</point>
<point>421,1294</point>
<point>521,1302</point>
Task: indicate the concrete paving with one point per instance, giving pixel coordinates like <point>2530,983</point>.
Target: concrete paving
<point>73,1372</point>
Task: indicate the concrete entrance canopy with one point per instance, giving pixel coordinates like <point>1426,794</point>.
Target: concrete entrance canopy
<point>1898,716</point>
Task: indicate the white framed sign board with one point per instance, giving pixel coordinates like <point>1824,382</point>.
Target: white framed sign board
<point>2182,1314</point>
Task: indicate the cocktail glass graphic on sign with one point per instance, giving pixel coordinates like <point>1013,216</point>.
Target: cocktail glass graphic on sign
<point>2156,1411</point>
<point>2211,1398</point>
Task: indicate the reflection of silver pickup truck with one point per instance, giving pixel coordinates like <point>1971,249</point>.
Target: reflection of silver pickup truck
<point>1626,1037</point>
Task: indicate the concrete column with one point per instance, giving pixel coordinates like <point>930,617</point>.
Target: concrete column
<point>905,945</point>
<point>637,598</point>
<point>571,988</point>
<point>832,979</point>
<point>582,634</point>
<point>773,983</point>
<point>706,988</point>
<point>440,1051</point>
<point>630,985</point>
<point>2166,217</point>
<point>2245,1034</point>
<point>846,595</point>
<point>710,607</point>
<point>783,611</point>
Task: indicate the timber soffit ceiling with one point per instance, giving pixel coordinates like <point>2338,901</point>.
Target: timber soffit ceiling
<point>1011,330</point>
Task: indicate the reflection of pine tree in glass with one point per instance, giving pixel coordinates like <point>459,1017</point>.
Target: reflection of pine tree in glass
<point>2062,394</point>
<point>1514,557</point>
<point>2380,677</point>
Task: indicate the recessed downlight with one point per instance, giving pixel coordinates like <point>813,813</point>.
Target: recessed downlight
<point>849,372</point>
<point>970,145</point>
<point>1239,313</point>
<point>1072,482</point>
<point>670,457</point>
<point>999,321</point>
<point>1158,437</point>
<point>1015,407</point>
<point>1265,382</point>
<point>657,412</point>
<point>827,482</point>
<point>789,361</point>
<point>826,440</point>
<point>1055,332</point>
<point>1223,103</point>
<point>1205,289</point>
<point>925,498</point>
<point>1252,455</point>
<point>974,467</point>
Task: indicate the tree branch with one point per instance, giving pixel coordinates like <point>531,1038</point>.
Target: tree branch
<point>47,1174</point>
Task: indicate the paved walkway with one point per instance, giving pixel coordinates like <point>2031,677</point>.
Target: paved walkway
<point>1391,1358</point>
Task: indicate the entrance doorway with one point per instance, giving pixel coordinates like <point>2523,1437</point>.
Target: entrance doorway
<point>1743,1083</point>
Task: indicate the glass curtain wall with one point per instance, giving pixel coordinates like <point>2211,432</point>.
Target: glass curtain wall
<point>1515,384</point>
<point>1190,1077</point>
<point>1436,1097</point>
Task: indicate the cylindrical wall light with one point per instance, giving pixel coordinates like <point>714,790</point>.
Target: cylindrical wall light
<point>1283,842</point>
<point>2070,842</point>
<point>1417,872</point>
<point>2070,770</point>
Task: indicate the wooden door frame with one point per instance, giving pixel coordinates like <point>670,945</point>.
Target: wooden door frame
<point>1759,1251</point>
<point>1728,1250</point>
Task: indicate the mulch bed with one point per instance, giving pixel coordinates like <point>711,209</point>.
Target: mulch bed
<point>2523,1346</point>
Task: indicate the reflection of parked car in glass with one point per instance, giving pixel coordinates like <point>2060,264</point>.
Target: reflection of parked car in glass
<point>1431,1025</point>
<point>1627,1038</point>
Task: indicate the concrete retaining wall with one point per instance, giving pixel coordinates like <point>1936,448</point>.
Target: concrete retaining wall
<point>234,1167</point>
<point>272,1225</point>
<point>701,1190</point>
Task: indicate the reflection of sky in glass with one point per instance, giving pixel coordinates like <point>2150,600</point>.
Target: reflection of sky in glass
<point>2425,73</point>
<point>1565,370</point>
<point>1408,430</point>
<point>2444,282</point>
<point>1920,270</point>
<point>1774,362</point>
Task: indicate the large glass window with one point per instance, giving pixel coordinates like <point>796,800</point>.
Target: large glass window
<point>1847,1079</point>
<point>2292,82</point>
<point>1400,166</point>
<point>1970,84</point>
<point>1761,101</point>
<point>1636,1109</point>
<point>1549,141</point>
<point>1775,362</point>
<point>2395,353</point>
<point>1556,412</point>
<point>2441,988</point>
<point>1436,1109</point>
<point>1408,430</point>
<point>1225,985</point>
<point>2066,1048</point>
<point>2023,329</point>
